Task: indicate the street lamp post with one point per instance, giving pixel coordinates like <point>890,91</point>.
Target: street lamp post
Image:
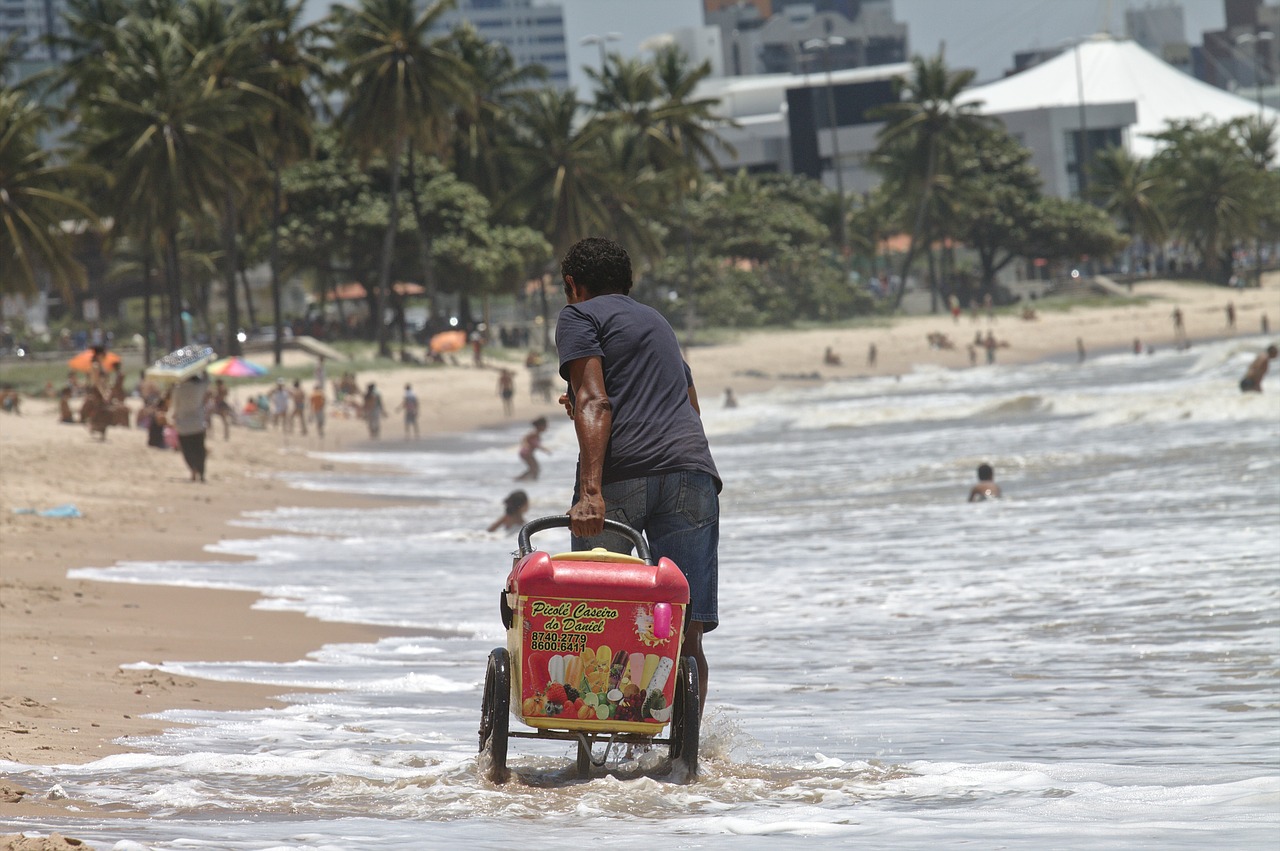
<point>825,43</point>
<point>1256,39</point>
<point>601,41</point>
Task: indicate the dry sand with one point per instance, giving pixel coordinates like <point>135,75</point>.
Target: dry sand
<point>63,695</point>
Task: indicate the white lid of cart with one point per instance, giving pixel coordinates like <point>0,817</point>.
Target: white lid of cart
<point>601,576</point>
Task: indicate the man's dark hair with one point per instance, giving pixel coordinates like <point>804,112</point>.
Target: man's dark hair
<point>599,266</point>
<point>985,473</point>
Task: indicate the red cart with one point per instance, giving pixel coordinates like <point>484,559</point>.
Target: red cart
<point>592,655</point>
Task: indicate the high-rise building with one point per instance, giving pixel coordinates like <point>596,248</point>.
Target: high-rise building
<point>30,22</point>
<point>534,34</point>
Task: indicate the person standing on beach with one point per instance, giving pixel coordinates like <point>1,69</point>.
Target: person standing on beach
<point>373,411</point>
<point>986,488</point>
<point>1231,316</point>
<point>316,403</point>
<point>871,355</point>
<point>1179,329</point>
<point>187,409</point>
<point>643,456</point>
<point>280,406</point>
<point>1080,349</point>
<point>507,390</point>
<point>298,407</point>
<point>1252,381</point>
<point>410,407</point>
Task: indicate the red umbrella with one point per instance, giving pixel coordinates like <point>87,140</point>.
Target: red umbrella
<point>83,362</point>
<point>448,341</point>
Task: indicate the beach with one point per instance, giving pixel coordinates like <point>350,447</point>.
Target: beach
<point>64,697</point>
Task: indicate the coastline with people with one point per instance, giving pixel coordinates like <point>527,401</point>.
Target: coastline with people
<point>66,698</point>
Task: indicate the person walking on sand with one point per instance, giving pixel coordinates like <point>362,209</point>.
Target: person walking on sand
<point>410,407</point>
<point>530,444</point>
<point>280,407</point>
<point>986,488</point>
<point>1252,381</point>
<point>222,408</point>
<point>871,355</point>
<point>643,455</point>
<point>990,345</point>
<point>187,409</point>
<point>1231,316</point>
<point>316,402</point>
<point>372,411</point>
<point>1080,349</point>
<point>507,390</point>
<point>1179,329</point>
<point>298,406</point>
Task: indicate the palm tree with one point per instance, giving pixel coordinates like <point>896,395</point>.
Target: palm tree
<point>33,202</point>
<point>164,130</point>
<point>227,45</point>
<point>1210,189</point>
<point>1124,186</point>
<point>400,88</point>
<point>483,125</point>
<point>922,132</point>
<point>567,174</point>
<point>287,66</point>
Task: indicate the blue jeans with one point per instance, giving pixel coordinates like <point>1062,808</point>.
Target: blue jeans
<point>679,514</point>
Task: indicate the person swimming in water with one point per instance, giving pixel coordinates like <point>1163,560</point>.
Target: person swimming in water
<point>1252,381</point>
<point>513,509</point>
<point>986,488</point>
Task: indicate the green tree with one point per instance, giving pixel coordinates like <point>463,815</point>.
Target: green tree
<point>287,68</point>
<point>35,198</point>
<point>154,119</point>
<point>923,135</point>
<point>400,88</point>
<point>1126,188</point>
<point>1209,189</point>
<point>996,190</point>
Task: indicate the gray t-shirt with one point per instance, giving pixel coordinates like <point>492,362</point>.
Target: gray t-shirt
<point>187,406</point>
<point>655,427</point>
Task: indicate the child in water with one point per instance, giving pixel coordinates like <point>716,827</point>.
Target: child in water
<point>530,444</point>
<point>986,488</point>
<point>513,509</point>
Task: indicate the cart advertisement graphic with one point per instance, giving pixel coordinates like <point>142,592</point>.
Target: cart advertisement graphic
<point>597,661</point>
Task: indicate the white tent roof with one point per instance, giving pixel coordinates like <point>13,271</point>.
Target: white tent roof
<point>1115,71</point>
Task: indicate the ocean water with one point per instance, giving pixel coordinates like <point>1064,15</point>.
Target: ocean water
<point>1093,661</point>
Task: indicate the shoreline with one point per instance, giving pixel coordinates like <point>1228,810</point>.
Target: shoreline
<point>65,699</point>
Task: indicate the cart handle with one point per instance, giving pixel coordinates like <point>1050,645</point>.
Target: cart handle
<point>556,521</point>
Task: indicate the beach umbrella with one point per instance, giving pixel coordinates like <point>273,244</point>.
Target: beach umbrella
<point>448,341</point>
<point>236,367</point>
<point>83,362</point>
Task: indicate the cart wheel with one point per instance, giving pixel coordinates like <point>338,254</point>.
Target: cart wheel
<point>584,758</point>
<point>494,713</point>
<point>685,718</point>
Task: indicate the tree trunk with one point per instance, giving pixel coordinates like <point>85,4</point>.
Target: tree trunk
<point>275,264</point>
<point>933,277</point>
<point>148,327</point>
<point>173,287</point>
<point>424,243</point>
<point>248,298</point>
<point>388,249</point>
<point>232,341</point>
<point>925,198</point>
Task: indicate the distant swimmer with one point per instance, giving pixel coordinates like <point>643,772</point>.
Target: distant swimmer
<point>513,509</point>
<point>986,488</point>
<point>1252,381</point>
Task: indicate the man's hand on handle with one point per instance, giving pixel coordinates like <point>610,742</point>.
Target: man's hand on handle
<point>586,518</point>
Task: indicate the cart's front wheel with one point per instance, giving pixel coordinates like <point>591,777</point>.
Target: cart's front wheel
<point>686,719</point>
<point>495,713</point>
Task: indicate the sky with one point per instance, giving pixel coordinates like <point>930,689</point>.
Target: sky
<point>978,34</point>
